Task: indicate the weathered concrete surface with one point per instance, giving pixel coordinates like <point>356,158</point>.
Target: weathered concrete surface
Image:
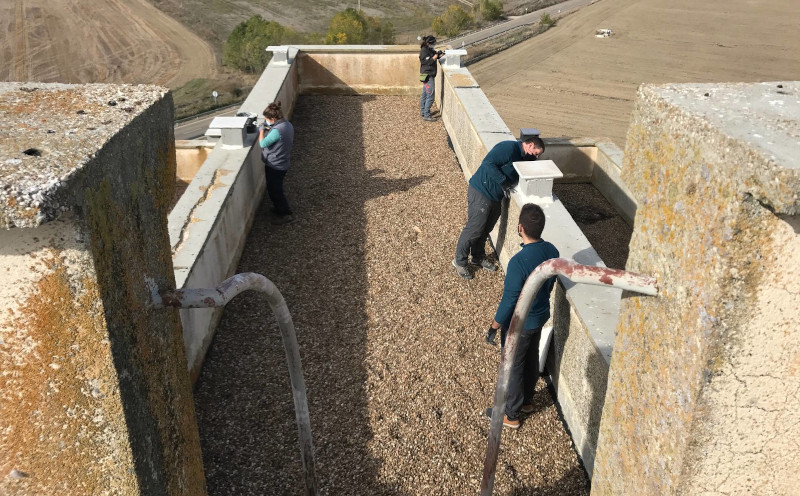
<point>356,69</point>
<point>189,156</point>
<point>704,381</point>
<point>94,397</point>
<point>48,136</point>
<point>210,223</point>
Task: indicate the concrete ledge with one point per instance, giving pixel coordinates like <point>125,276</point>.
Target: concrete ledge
<point>209,225</point>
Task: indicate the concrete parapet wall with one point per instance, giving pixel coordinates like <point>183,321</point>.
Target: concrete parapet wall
<point>596,161</point>
<point>356,69</point>
<point>584,317</point>
<point>189,156</point>
<point>94,397</point>
<point>702,393</point>
<point>209,225</point>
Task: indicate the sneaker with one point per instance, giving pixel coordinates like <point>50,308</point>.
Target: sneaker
<point>429,119</point>
<point>486,265</point>
<point>282,219</point>
<point>462,271</point>
<point>527,409</point>
<point>511,424</point>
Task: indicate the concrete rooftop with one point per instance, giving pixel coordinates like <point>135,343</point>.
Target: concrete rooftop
<point>398,374</point>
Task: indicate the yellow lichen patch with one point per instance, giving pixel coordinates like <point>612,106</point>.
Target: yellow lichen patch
<point>59,401</point>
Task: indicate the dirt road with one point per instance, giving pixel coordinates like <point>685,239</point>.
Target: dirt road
<point>566,82</point>
<point>103,41</point>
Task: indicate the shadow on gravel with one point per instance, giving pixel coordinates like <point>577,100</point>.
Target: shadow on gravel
<point>243,397</point>
<point>575,478</point>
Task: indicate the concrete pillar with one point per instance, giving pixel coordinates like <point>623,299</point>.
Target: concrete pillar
<point>703,391</point>
<point>94,394</point>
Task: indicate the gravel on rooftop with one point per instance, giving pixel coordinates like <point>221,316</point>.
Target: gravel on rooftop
<point>603,227</point>
<point>398,375</point>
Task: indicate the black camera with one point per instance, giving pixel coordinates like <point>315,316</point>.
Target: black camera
<point>440,53</point>
<point>250,124</point>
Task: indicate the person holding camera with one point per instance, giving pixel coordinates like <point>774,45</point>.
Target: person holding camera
<point>427,74</point>
<point>276,136</point>
<point>487,187</point>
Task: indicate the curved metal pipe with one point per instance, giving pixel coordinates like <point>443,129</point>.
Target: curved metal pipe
<point>587,274</point>
<point>222,294</point>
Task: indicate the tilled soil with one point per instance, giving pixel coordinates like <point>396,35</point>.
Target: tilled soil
<point>567,82</point>
<point>398,374</point>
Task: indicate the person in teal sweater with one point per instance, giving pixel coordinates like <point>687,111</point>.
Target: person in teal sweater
<point>276,138</point>
<point>525,365</point>
<point>486,190</point>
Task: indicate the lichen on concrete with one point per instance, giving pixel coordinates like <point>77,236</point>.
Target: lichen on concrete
<point>59,404</point>
<point>114,170</point>
<point>707,199</point>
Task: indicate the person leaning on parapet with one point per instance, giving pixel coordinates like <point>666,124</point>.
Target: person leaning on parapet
<point>427,74</point>
<point>276,137</point>
<point>487,187</point>
<point>525,362</point>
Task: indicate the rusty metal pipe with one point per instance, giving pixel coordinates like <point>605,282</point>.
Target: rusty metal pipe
<point>222,294</point>
<point>575,272</point>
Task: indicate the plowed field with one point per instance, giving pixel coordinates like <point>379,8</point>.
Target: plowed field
<point>99,41</point>
<point>567,82</point>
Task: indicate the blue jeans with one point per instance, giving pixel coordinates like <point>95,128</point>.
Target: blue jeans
<point>427,97</point>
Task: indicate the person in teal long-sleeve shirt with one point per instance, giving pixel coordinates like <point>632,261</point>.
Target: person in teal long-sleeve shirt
<point>525,362</point>
<point>276,138</point>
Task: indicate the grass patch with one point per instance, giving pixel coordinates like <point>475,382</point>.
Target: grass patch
<point>480,51</point>
<point>196,95</point>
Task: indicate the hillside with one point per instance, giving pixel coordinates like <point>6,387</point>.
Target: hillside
<point>566,82</point>
<point>215,19</point>
<point>108,41</point>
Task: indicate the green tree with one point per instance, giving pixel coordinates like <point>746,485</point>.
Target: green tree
<point>452,21</point>
<point>245,48</point>
<point>379,33</point>
<point>347,27</point>
<point>491,10</point>
<point>546,21</point>
<point>353,27</point>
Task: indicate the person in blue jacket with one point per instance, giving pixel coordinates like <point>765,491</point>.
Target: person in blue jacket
<point>525,362</point>
<point>486,190</point>
<point>276,138</point>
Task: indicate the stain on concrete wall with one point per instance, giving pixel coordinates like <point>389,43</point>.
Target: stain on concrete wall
<point>394,71</point>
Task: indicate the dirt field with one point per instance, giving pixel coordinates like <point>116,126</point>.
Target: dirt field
<point>104,41</point>
<point>566,82</point>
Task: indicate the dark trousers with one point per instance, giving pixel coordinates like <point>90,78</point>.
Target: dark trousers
<point>524,371</point>
<point>482,213</point>
<point>275,190</point>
